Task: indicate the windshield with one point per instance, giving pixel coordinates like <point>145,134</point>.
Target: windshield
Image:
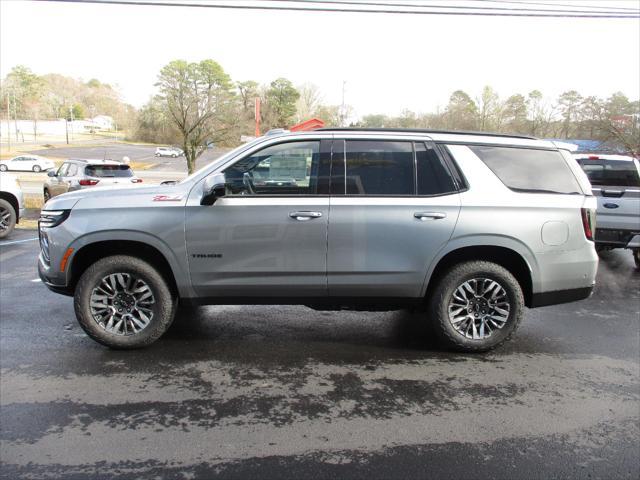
<point>119,171</point>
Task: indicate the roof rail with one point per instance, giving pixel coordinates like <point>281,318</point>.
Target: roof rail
<point>424,130</point>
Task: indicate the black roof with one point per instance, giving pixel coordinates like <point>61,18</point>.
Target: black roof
<point>423,130</point>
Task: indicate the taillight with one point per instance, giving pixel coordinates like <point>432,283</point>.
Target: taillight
<point>136,180</point>
<point>588,222</point>
<point>88,182</point>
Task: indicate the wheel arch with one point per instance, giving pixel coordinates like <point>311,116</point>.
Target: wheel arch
<point>89,250</point>
<point>511,256</point>
<point>13,201</point>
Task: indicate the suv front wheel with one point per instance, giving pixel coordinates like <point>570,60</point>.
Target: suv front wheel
<point>123,302</point>
<point>476,306</point>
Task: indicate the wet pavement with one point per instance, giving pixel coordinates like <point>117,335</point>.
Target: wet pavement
<point>288,392</point>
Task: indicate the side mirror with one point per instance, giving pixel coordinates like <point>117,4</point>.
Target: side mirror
<point>213,188</point>
<point>51,173</point>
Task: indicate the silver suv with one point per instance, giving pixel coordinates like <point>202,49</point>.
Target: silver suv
<point>468,228</point>
<point>77,174</point>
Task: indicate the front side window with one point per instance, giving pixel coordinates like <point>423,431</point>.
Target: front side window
<point>72,170</point>
<point>62,170</point>
<point>379,168</point>
<point>529,170</point>
<point>283,169</point>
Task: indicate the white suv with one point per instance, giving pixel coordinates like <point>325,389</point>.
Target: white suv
<point>169,152</point>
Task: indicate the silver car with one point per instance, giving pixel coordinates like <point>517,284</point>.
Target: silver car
<point>77,174</point>
<point>467,228</point>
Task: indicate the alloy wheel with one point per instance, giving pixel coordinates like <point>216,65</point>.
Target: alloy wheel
<point>5,218</point>
<point>122,304</point>
<point>478,307</point>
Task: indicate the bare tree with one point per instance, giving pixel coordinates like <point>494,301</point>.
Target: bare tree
<point>198,97</point>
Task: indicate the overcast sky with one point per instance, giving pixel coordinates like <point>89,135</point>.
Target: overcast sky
<point>390,62</point>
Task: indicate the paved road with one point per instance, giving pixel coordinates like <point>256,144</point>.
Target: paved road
<point>287,392</point>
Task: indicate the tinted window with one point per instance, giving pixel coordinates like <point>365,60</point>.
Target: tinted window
<point>618,173</point>
<point>108,171</point>
<point>433,175</point>
<point>379,168</point>
<point>529,170</point>
<point>284,169</point>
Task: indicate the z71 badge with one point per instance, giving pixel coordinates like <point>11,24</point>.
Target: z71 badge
<point>167,198</point>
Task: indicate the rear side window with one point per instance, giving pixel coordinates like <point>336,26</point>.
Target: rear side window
<point>529,170</point>
<point>614,173</point>
<point>108,171</point>
<point>72,170</point>
<point>379,168</point>
<point>433,175</point>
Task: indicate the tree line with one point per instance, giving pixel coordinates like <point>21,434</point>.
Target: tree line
<point>27,96</point>
<point>198,103</point>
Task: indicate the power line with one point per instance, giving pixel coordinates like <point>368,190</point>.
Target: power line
<point>456,7</point>
<point>517,2</point>
<point>340,10</point>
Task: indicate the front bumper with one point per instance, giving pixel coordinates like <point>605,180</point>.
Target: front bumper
<point>50,283</point>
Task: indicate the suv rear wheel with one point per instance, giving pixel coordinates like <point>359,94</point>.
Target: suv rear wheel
<point>123,302</point>
<point>476,306</point>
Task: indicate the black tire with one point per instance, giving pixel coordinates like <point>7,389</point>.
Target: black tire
<point>163,309</point>
<point>7,218</point>
<point>46,195</point>
<point>438,306</point>
<point>636,257</point>
<point>36,169</point>
<point>3,168</point>
<point>174,156</point>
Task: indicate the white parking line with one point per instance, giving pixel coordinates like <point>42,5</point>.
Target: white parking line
<point>19,241</point>
<point>35,280</point>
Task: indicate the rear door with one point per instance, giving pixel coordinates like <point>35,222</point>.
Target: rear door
<point>394,205</point>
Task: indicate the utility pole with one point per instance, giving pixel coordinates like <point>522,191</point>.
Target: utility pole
<point>342,107</point>
<point>15,114</point>
<point>71,117</point>
<point>8,124</point>
<point>66,128</point>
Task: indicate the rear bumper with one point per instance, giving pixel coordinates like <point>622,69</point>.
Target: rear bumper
<point>560,296</point>
<point>617,238</point>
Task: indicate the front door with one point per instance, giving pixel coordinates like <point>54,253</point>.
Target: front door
<point>267,237</point>
<point>399,210</point>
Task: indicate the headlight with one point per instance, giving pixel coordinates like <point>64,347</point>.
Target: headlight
<point>52,218</point>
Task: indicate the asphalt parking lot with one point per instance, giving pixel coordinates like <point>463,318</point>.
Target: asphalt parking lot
<point>288,392</point>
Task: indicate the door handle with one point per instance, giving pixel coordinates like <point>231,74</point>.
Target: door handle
<point>304,216</point>
<point>424,215</point>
